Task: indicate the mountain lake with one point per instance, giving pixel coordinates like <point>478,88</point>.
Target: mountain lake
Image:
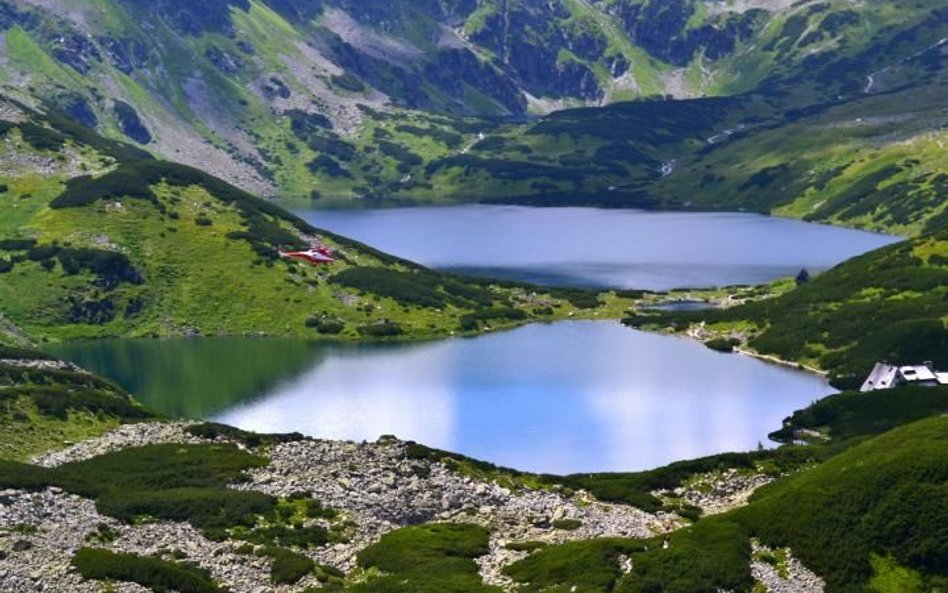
<point>579,396</point>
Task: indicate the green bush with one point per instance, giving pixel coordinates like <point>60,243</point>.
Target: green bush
<point>326,324</point>
<point>381,329</point>
<point>287,536</point>
<point>590,566</point>
<point>567,524</point>
<point>205,508</point>
<point>288,567</point>
<point>17,244</point>
<point>153,573</point>
<point>416,288</point>
<point>472,321</point>
<point>711,556</point>
<point>432,558</point>
<point>723,344</point>
<point>111,268</point>
<point>213,431</point>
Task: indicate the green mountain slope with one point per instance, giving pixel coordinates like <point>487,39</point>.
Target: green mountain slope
<point>97,241</point>
<point>864,520</point>
<point>361,99</point>
<point>889,304</point>
<point>878,162</point>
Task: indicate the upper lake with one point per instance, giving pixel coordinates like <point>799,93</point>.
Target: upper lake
<point>601,248</point>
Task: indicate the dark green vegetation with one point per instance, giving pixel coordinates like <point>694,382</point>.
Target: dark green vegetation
<point>56,393</point>
<point>590,566</point>
<point>706,558</point>
<point>881,497</point>
<point>136,247</point>
<point>213,431</point>
<point>711,556</point>
<point>42,404</point>
<point>890,304</point>
<point>288,567</point>
<point>635,488</point>
<point>433,558</point>
<point>854,415</point>
<point>153,573</point>
<point>168,482</point>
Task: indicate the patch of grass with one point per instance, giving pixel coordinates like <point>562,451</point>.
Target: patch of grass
<point>432,558</point>
<point>708,557</point>
<point>288,567</point>
<point>153,573</point>
<point>590,566</point>
<point>567,524</point>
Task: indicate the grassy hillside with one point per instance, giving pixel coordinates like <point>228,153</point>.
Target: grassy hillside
<point>890,304</point>
<point>877,162</point>
<point>44,404</point>
<point>94,244</point>
<point>877,501</point>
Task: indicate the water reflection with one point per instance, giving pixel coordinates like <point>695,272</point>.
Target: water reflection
<point>569,397</point>
<point>596,247</point>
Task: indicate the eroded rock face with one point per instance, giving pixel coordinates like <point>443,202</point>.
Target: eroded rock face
<point>130,123</point>
<point>662,29</point>
<point>719,492</point>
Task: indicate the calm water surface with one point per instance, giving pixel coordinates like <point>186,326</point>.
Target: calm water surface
<point>602,248</point>
<point>569,397</point>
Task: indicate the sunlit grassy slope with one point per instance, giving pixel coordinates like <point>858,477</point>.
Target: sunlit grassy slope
<point>98,241</point>
<point>889,304</point>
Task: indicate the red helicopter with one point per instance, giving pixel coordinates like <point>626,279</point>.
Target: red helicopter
<point>317,254</point>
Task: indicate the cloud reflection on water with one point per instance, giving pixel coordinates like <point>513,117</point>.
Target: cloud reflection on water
<point>582,396</point>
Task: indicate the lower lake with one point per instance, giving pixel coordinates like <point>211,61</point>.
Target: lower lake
<point>561,398</point>
<point>602,248</point>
